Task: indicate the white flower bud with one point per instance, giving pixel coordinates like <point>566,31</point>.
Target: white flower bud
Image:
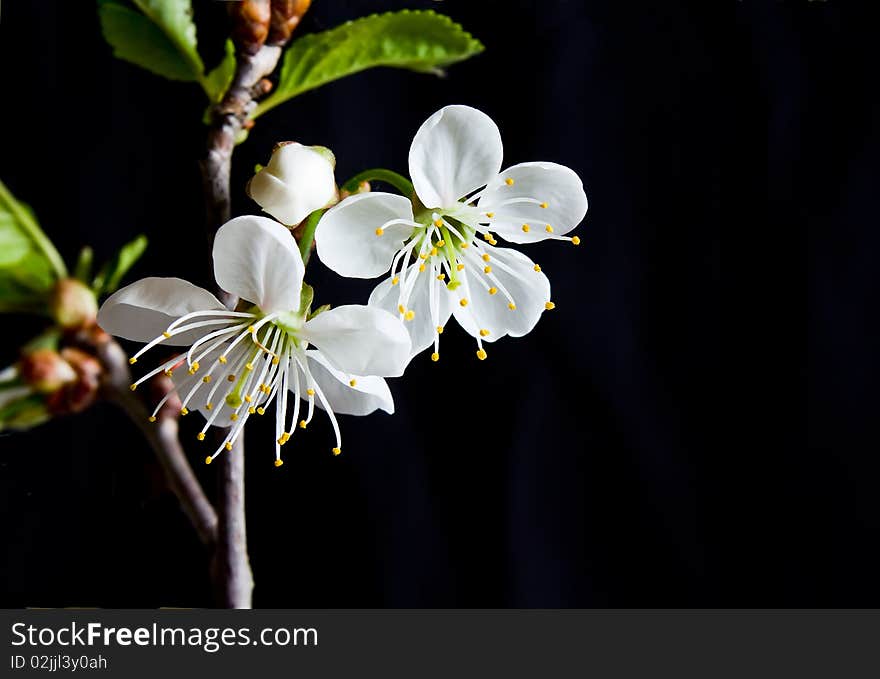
<point>297,181</point>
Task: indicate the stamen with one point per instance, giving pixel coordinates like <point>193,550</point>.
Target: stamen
<point>435,357</point>
<point>526,228</point>
<point>509,181</point>
<point>575,240</point>
<point>380,231</point>
<point>548,229</point>
<point>549,306</point>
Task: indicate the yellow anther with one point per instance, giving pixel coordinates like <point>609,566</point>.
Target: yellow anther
<point>395,280</point>
<point>511,306</point>
<point>487,269</point>
<point>463,301</point>
<point>481,354</point>
<point>184,411</point>
<point>249,366</point>
<point>261,411</point>
<point>248,398</point>
<point>441,277</point>
<point>233,416</point>
<point>251,329</point>
<point>208,460</point>
<point>222,359</point>
<point>423,255</point>
<point>310,392</point>
<point>409,315</point>
<point>438,223</point>
<point>169,372</point>
<point>435,357</point>
<point>493,242</point>
<point>275,360</point>
<point>228,445</point>
<point>509,181</point>
<point>278,463</point>
<point>352,383</point>
<point>493,290</point>
<point>195,366</point>
<point>549,306</point>
<point>209,406</point>
<point>252,410</point>
<point>401,308</point>
<point>200,436</point>
<point>538,268</point>
<point>336,451</point>
<point>152,418</point>
<point>230,378</point>
<point>166,334</point>
<point>548,229</point>
<point>433,252</point>
<point>281,440</point>
<point>206,379</point>
<point>439,329</point>
<point>380,231</point>
<point>487,236</point>
<point>303,424</point>
<point>133,387</point>
<point>421,267</point>
<point>441,243</point>
<point>459,267</point>
<point>575,240</point>
<point>526,228</point>
<point>464,246</point>
<point>483,332</point>
<point>544,204</point>
<point>486,257</point>
<point>490,214</point>
<point>132,361</point>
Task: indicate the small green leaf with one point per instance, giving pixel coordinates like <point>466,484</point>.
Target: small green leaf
<point>14,244</point>
<point>320,310</point>
<point>22,410</point>
<point>306,295</point>
<point>219,79</point>
<point>111,273</point>
<point>421,41</point>
<point>83,269</point>
<point>161,40</point>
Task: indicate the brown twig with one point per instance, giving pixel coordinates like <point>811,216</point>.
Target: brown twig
<point>162,435</point>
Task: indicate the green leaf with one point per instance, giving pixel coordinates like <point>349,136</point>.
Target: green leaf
<point>306,295</point>
<point>219,79</point>
<point>26,411</point>
<point>161,40</point>
<point>83,268</point>
<point>29,263</point>
<point>422,41</point>
<point>111,273</point>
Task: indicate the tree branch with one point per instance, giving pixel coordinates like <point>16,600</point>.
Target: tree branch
<point>233,580</point>
<point>162,435</point>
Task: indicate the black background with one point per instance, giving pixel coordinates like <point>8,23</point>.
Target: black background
<point>663,438</point>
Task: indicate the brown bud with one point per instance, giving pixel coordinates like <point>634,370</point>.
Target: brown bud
<point>45,371</point>
<point>285,18</point>
<point>80,394</point>
<point>250,24</point>
<point>73,304</point>
<point>265,86</point>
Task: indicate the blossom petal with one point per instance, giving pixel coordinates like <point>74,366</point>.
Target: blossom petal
<point>143,310</point>
<point>515,273</point>
<point>360,340</point>
<point>456,151</point>
<point>257,259</point>
<point>368,394</point>
<point>556,186</point>
<point>347,236</point>
<point>421,328</point>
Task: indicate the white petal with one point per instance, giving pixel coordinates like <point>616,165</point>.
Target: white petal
<point>143,310</point>
<point>258,260</point>
<point>530,290</point>
<point>297,181</point>
<point>360,340</point>
<point>455,151</point>
<point>421,327</point>
<point>369,393</point>
<point>347,239</point>
<point>555,185</point>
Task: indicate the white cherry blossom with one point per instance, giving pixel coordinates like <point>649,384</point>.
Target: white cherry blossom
<point>438,266</point>
<point>236,363</point>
